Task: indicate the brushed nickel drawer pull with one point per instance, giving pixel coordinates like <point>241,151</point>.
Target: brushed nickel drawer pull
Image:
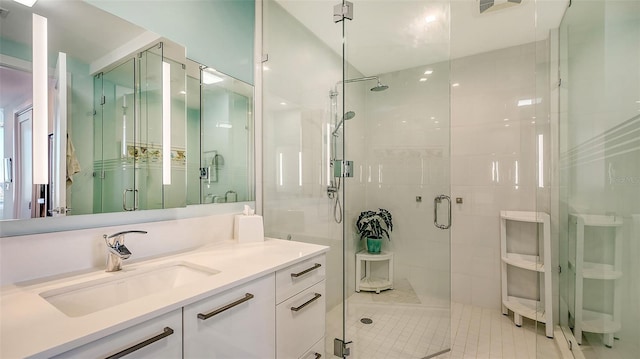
<point>165,333</point>
<point>315,266</point>
<point>315,297</point>
<point>247,296</point>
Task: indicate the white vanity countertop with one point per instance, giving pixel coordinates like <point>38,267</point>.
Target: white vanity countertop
<point>32,327</point>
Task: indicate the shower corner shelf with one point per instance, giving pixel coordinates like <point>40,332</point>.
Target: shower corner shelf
<point>589,320</point>
<point>539,310</point>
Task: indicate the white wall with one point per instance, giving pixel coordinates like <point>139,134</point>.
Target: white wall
<point>489,133</point>
<point>37,256</point>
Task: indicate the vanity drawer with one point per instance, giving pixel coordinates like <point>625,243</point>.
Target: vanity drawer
<point>300,322</point>
<point>293,279</point>
<point>163,336</point>
<point>237,323</point>
<point>316,351</point>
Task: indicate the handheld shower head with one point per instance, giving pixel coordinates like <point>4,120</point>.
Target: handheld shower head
<point>347,116</point>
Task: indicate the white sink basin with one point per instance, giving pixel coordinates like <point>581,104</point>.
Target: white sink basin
<point>88,297</point>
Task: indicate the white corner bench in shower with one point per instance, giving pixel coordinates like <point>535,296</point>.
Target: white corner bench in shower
<point>370,283</point>
<point>587,266</point>
<point>539,310</point>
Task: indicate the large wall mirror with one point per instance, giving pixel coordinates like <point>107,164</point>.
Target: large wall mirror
<point>133,123</point>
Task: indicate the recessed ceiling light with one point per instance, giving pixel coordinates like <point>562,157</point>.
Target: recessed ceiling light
<point>423,79</point>
<point>428,72</point>
<point>506,119</point>
<point>430,19</point>
<point>507,125</point>
<point>638,101</point>
<point>403,121</point>
<point>28,3</point>
<point>533,121</point>
<point>283,103</point>
<point>436,121</point>
<point>433,118</point>
<point>455,85</point>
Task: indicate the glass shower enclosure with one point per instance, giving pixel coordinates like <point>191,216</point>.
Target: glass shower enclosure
<point>128,134</point>
<point>345,133</point>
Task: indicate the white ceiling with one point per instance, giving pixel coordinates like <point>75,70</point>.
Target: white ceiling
<point>74,27</point>
<point>392,35</point>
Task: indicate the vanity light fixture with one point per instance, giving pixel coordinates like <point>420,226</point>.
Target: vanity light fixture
<point>40,120</point>
<point>166,123</point>
<point>28,3</point>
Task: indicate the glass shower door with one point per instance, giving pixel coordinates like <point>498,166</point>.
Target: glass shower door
<point>114,106</point>
<point>599,192</point>
<point>393,124</point>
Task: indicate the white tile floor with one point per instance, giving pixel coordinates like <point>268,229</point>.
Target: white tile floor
<point>412,331</point>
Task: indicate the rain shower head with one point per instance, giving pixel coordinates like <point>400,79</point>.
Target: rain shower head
<point>379,87</point>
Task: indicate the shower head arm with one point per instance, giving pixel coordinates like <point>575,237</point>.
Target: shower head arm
<point>359,79</point>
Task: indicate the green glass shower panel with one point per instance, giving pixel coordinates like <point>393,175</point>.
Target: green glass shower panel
<point>599,214</point>
<point>97,143</point>
<point>118,136</point>
<point>149,179</point>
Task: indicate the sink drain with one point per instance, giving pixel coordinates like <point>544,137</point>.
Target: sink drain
<point>366,321</point>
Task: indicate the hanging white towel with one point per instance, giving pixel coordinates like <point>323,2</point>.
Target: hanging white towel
<point>73,166</point>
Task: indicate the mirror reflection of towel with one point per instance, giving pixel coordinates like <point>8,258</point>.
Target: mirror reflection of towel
<point>73,166</point>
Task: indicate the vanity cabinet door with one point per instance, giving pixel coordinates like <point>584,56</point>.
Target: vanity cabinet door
<point>160,337</point>
<point>238,323</point>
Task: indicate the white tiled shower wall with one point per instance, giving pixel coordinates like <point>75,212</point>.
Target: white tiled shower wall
<point>494,156</point>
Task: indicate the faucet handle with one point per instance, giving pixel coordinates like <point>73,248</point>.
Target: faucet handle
<point>125,232</point>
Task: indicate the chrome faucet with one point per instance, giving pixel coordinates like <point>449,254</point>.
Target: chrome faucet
<point>117,251</point>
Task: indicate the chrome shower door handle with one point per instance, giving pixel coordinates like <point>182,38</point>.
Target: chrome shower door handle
<point>124,200</point>
<point>436,204</point>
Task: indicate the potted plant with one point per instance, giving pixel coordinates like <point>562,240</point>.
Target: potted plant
<point>373,226</point>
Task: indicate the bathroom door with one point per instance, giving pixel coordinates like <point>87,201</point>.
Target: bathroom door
<point>395,95</point>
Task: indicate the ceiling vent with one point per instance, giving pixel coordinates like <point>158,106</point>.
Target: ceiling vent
<point>493,5</point>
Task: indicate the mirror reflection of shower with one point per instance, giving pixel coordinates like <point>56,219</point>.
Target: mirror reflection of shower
<point>336,166</point>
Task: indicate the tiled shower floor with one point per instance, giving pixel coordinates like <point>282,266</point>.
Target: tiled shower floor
<point>412,331</point>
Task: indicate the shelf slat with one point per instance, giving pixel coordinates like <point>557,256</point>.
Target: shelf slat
<point>524,261</point>
<point>528,308</point>
<point>597,220</point>
<point>595,322</point>
<point>601,271</point>
<point>522,216</point>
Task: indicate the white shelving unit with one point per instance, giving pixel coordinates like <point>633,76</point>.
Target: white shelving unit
<point>606,323</point>
<point>370,283</point>
<point>522,307</point>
